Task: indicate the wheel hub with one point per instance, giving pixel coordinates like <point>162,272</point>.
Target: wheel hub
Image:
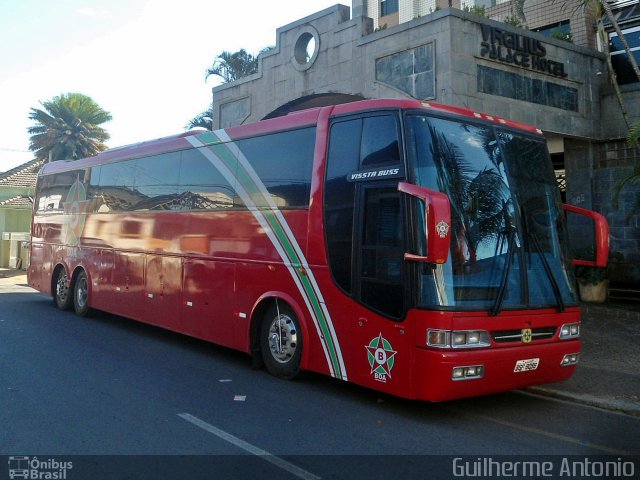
<point>61,287</point>
<point>283,338</point>
<point>81,293</point>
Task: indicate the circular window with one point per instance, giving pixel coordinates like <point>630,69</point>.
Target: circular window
<point>306,48</point>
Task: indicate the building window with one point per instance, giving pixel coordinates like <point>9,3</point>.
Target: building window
<point>507,84</point>
<point>619,58</point>
<point>559,31</point>
<point>387,7</point>
<point>411,71</point>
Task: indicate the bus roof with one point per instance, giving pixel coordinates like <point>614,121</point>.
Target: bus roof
<point>361,105</point>
<point>292,120</point>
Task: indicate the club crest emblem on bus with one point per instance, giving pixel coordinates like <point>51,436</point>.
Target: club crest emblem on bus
<point>526,335</point>
<point>381,355</point>
<point>74,209</point>
<point>442,229</point>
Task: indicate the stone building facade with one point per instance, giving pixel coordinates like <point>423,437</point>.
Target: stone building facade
<point>463,59</point>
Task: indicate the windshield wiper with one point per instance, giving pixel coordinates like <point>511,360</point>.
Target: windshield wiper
<point>528,234</point>
<point>547,268</point>
<point>497,305</point>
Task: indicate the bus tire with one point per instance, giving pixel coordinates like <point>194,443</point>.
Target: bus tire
<point>61,292</point>
<point>281,341</point>
<point>81,294</point>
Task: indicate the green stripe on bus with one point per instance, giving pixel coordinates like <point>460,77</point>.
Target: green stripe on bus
<point>304,280</point>
<point>222,151</point>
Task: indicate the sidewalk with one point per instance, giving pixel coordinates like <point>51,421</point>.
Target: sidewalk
<point>10,273</point>
<point>608,375</point>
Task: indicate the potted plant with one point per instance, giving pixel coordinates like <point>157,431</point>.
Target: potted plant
<point>592,283</point>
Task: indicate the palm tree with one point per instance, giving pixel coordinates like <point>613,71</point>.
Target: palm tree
<point>232,66</point>
<point>633,138</point>
<point>202,120</point>
<point>68,127</point>
<point>623,40</point>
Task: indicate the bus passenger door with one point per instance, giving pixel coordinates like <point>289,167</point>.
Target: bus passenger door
<point>365,232</point>
<point>383,342</point>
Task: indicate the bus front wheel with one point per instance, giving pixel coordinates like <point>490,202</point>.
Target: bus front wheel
<point>62,293</point>
<point>81,294</point>
<point>281,341</point>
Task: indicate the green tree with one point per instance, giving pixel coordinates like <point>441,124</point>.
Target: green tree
<point>601,8</point>
<point>232,66</point>
<point>202,120</point>
<point>68,128</point>
<point>607,8</point>
<point>633,138</point>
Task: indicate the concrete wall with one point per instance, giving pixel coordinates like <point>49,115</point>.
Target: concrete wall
<point>614,161</point>
<point>351,58</point>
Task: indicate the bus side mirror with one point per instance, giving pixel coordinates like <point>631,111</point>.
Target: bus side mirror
<point>437,220</point>
<point>600,240</point>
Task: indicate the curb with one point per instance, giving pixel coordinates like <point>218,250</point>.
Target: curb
<point>620,406</point>
<point>11,273</point>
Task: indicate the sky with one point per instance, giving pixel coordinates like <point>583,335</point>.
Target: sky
<point>143,61</point>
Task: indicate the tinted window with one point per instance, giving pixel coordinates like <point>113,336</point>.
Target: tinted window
<point>380,141</point>
<point>283,161</point>
<point>117,182</point>
<point>155,180</point>
<point>53,190</point>
<point>511,85</point>
<point>202,186</point>
<point>339,195</point>
<point>382,262</point>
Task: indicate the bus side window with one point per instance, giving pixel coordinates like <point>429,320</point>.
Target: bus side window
<point>339,198</point>
<point>94,195</point>
<point>284,162</point>
<point>202,184</point>
<point>116,186</point>
<point>53,190</point>
<point>155,182</point>
<point>380,141</point>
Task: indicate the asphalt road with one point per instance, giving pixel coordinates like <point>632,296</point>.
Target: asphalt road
<point>105,385</point>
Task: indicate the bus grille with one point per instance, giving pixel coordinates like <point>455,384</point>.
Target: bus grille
<point>505,336</point>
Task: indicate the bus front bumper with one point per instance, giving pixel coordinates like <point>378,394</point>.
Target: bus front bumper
<point>447,375</point>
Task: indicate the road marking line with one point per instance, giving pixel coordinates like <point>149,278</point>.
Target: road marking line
<point>555,436</point>
<point>247,447</point>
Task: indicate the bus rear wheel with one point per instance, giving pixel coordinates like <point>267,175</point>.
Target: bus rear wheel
<point>281,341</point>
<point>81,294</point>
<point>62,293</point>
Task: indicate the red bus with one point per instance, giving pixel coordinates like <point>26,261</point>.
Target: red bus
<point>409,247</point>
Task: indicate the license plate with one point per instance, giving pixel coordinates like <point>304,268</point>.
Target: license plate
<point>526,365</point>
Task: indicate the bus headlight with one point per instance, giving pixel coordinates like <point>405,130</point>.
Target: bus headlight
<point>438,338</point>
<point>457,338</point>
<point>470,338</point>
<point>570,359</point>
<point>570,330</point>
<point>467,373</point>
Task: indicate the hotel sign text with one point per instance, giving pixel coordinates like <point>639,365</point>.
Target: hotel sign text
<point>517,49</point>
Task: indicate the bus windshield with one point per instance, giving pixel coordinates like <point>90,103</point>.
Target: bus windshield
<point>508,248</point>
